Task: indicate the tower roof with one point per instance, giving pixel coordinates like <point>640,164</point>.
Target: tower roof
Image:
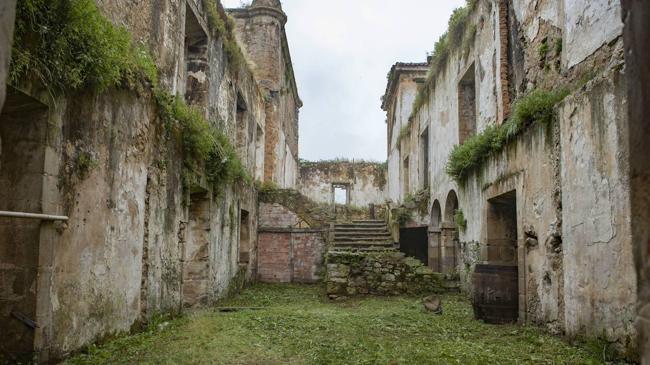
<point>276,4</point>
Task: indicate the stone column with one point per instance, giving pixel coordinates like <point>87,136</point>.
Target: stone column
<point>7,19</point>
<point>448,240</point>
<point>434,249</point>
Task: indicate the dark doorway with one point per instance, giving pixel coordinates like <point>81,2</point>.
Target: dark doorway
<point>496,284</point>
<point>244,238</point>
<point>23,136</point>
<point>502,229</point>
<point>196,263</point>
<point>414,243</point>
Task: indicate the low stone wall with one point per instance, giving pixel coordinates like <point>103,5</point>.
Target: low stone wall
<point>379,273</point>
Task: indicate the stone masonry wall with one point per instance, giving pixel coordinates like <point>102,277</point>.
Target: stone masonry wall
<point>366,182</point>
<point>379,273</point>
<point>568,181</point>
<point>134,245</point>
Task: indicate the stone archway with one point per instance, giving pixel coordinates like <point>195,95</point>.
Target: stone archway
<point>434,236</point>
<point>449,236</point>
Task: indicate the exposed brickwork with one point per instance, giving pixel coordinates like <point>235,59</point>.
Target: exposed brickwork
<point>276,215</point>
<point>503,57</point>
<point>273,265</point>
<point>287,255</point>
<point>308,249</point>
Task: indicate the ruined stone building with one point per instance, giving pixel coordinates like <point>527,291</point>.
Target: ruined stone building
<point>550,198</point>
<point>160,171</point>
<point>143,205</point>
<point>260,31</point>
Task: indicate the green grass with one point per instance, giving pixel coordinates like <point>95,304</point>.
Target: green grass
<point>299,326</point>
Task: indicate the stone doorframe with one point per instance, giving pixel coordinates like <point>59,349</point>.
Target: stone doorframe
<point>516,183</point>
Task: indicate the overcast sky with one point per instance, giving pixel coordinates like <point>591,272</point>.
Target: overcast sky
<point>341,52</point>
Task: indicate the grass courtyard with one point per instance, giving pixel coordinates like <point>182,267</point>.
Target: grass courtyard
<point>299,326</point>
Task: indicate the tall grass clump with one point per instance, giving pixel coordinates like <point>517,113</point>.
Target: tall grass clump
<point>69,45</point>
<point>536,107</point>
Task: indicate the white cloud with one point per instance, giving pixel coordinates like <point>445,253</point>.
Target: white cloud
<point>342,51</point>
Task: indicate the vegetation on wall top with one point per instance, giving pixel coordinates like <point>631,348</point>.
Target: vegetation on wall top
<point>206,150</point>
<point>536,107</point>
<point>341,160</point>
<point>458,33</point>
<point>70,46</point>
<point>221,24</point>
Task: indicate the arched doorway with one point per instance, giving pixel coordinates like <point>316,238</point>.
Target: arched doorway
<point>449,235</point>
<point>434,236</point>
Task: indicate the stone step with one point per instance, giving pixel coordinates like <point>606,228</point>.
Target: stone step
<point>363,243</point>
<point>368,221</point>
<point>364,249</point>
<point>361,233</point>
<point>385,238</point>
<point>361,229</point>
<point>360,225</point>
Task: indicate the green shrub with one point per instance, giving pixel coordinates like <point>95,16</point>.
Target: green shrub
<point>222,25</point>
<point>401,215</point>
<point>206,150</point>
<point>536,107</point>
<point>543,49</point>
<point>68,45</point>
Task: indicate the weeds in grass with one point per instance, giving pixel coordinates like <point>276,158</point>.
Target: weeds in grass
<point>299,326</point>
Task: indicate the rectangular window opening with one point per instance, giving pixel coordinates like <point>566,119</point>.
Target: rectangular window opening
<point>244,237</point>
<point>196,60</point>
<point>467,105</point>
<point>424,159</point>
<point>340,194</point>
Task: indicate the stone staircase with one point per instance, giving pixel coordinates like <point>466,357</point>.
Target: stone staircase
<point>362,235</point>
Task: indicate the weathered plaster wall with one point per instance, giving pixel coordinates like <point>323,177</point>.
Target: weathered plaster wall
<point>637,41</point>
<point>139,241</point>
<point>588,25</point>
<point>600,283</point>
<point>573,231</point>
<point>400,94</point>
<point>539,259</point>
<point>366,181</point>
<point>7,13</point>
<point>261,33</point>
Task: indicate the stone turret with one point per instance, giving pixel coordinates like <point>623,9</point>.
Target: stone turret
<point>261,34</point>
<point>276,4</point>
